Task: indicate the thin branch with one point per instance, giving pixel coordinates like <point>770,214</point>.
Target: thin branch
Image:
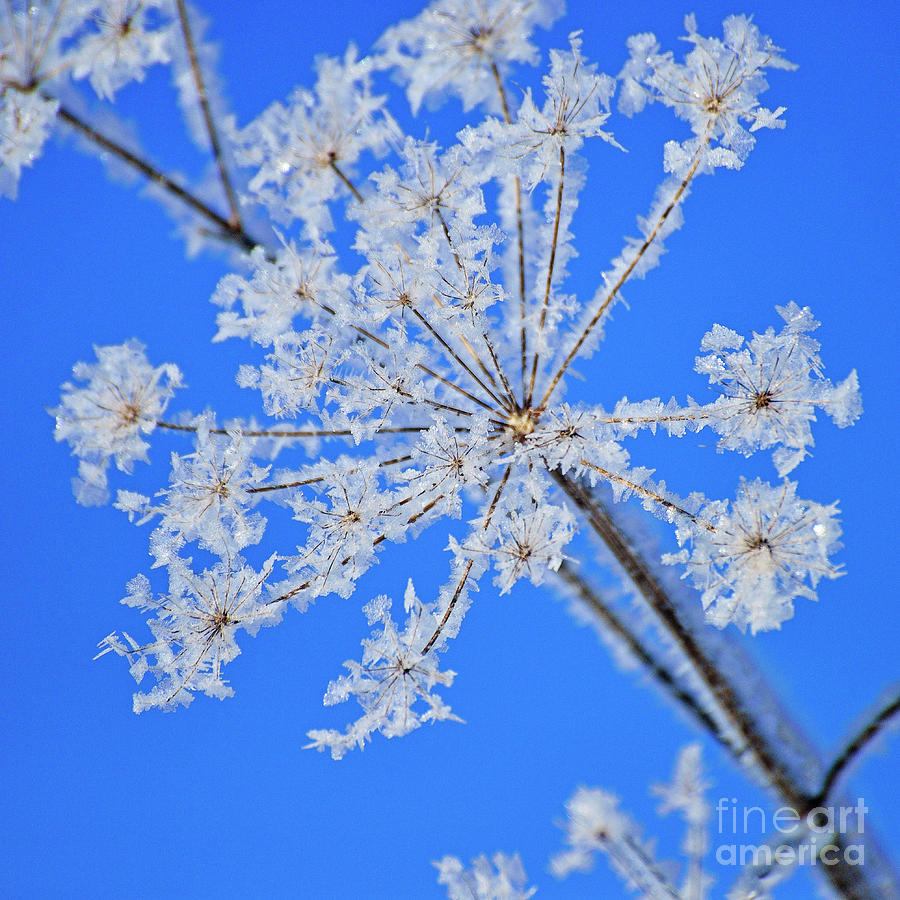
<point>468,567</point>
<point>520,229</point>
<point>455,356</point>
<point>281,487</point>
<point>352,187</point>
<point>218,156</point>
<point>556,220</point>
<point>639,651</point>
<point>421,366</point>
<point>642,869</point>
<point>644,492</point>
<point>459,263</point>
<point>855,747</point>
<point>613,292</point>
<point>227,230</point>
<point>294,433</point>
<point>319,478</point>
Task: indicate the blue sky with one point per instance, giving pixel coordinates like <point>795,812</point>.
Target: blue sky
<point>220,799</point>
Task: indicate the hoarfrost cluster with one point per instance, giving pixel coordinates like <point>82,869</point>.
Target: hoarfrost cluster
<point>440,362</point>
<point>417,371</point>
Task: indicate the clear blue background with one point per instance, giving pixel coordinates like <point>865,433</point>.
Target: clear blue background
<point>220,799</point>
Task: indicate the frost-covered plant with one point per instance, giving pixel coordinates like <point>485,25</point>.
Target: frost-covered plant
<point>422,353</point>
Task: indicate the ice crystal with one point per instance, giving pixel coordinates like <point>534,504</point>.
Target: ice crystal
<point>716,89</point>
<point>304,153</point>
<point>752,558</point>
<point>128,36</point>
<point>465,47</point>
<point>209,496</point>
<point>772,387</point>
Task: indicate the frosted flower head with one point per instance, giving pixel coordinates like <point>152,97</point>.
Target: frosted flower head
<point>594,823</point>
<point>296,373</point>
<point>397,672</point>
<point>576,106</point>
<point>464,47</point>
<point>430,188</point>
<point>772,387</point>
<point>31,36</point>
<point>211,491</point>
<point>304,152</point>
<point>528,543</point>
<point>194,628</point>
<point>447,464</point>
<point>299,281</point>
<point>347,522</point>
<point>752,560</point>
<point>715,89</point>
<point>31,40</point>
<point>127,36</point>
<point>122,400</point>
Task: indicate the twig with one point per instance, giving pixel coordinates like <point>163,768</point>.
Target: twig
<point>294,433</point>
<point>640,652</point>
<point>218,156</point>
<point>854,747</point>
<point>520,229</point>
<point>640,574</point>
<point>613,292</point>
<point>646,493</point>
<point>229,231</point>
<point>468,567</point>
<point>550,265</point>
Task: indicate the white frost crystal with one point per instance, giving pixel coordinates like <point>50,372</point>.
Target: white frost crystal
<point>752,558</point>
<point>194,628</point>
<point>455,45</point>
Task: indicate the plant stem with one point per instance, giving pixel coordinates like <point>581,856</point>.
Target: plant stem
<point>622,632</point>
<point>854,747</point>
<point>215,143</point>
<point>849,881</point>
<point>613,292</point>
<point>227,230</point>
<point>550,265</point>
